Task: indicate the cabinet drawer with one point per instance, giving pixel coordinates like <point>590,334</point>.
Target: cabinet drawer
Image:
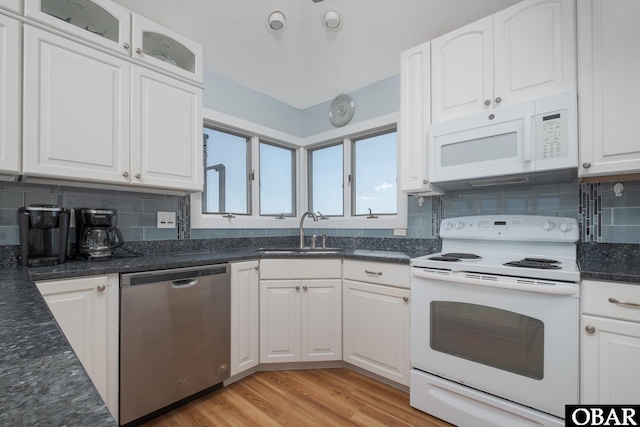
<point>300,269</point>
<point>595,299</point>
<point>377,272</point>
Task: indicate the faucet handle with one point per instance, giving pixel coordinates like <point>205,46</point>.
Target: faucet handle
<point>324,240</point>
<point>313,241</point>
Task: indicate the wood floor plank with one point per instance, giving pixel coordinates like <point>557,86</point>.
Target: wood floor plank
<point>322,397</point>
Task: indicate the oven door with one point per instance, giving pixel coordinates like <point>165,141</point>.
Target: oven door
<point>497,338</point>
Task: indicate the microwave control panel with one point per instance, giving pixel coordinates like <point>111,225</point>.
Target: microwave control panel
<point>551,135</point>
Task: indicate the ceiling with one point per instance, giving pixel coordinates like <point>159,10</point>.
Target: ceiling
<point>306,64</point>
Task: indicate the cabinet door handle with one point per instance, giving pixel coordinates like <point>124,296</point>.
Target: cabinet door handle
<point>297,288</point>
<point>304,288</point>
<point>101,287</point>
<point>373,273</point>
<point>125,174</point>
<point>487,102</point>
<point>125,45</point>
<point>138,50</point>
<point>138,176</point>
<point>405,298</point>
<point>586,165</point>
<point>625,303</point>
<point>590,329</point>
<point>498,100</point>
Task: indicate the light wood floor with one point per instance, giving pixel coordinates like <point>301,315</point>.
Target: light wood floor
<point>324,397</point>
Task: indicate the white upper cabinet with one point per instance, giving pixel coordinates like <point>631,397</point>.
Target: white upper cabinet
<point>415,112</point>
<point>156,45</point>
<point>166,124</point>
<point>104,23</point>
<point>76,110</point>
<point>11,5</point>
<point>608,69</point>
<point>10,99</point>
<point>523,52</point>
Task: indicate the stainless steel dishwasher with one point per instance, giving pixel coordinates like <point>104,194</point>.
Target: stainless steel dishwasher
<point>175,336</point>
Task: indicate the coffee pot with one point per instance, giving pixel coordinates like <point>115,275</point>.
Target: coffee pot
<point>96,233</point>
<point>44,234</point>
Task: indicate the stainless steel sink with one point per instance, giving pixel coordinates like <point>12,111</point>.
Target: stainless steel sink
<point>300,251</point>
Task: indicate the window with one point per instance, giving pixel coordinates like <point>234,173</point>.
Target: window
<point>277,180</point>
<point>374,189</point>
<point>325,170</point>
<point>261,178</point>
<point>227,185</point>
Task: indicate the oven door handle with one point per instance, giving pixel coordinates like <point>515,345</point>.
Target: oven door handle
<point>556,288</point>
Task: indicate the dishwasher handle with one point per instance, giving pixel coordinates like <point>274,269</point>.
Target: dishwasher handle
<point>183,282</point>
<point>177,276</point>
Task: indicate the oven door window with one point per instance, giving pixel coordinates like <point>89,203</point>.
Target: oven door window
<point>498,338</point>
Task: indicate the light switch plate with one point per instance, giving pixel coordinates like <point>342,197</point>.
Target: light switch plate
<point>399,231</point>
<point>166,220</point>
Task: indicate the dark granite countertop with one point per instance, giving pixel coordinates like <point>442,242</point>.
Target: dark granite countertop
<point>41,380</point>
<point>610,262</point>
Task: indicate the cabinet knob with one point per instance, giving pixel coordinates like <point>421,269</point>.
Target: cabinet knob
<point>405,298</point>
<point>498,100</point>
<point>304,288</point>
<point>487,102</point>
<point>257,267</point>
<point>492,116</point>
<point>586,165</point>
<point>101,288</point>
<point>125,174</point>
<point>138,176</point>
<point>424,181</point>
<point>138,50</point>
<point>590,329</point>
<point>297,287</point>
<point>126,45</point>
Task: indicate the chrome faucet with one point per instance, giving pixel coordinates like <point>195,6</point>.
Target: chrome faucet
<point>304,215</point>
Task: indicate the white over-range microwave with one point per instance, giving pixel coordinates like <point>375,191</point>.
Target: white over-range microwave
<point>523,142</point>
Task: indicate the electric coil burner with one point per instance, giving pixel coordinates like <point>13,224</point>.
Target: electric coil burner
<point>535,263</point>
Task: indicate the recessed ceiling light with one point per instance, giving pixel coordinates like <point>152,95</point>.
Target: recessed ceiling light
<point>276,21</point>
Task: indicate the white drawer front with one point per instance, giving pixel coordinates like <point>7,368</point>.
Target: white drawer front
<point>377,272</point>
<point>300,269</point>
<point>596,299</point>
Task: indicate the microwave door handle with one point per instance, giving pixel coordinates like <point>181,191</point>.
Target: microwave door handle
<point>528,149</point>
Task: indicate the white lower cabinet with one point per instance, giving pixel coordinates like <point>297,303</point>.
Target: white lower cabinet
<point>244,316</point>
<point>300,310</point>
<point>610,343</point>
<point>86,308</point>
<point>376,318</point>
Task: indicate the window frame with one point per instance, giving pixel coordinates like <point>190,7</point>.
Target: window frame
<point>339,135</point>
<point>255,132</point>
<point>345,135</point>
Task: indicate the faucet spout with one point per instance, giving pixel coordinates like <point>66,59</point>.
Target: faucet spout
<point>304,215</point>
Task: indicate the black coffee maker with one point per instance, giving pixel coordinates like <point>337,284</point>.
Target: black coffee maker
<point>44,234</point>
<point>97,236</point>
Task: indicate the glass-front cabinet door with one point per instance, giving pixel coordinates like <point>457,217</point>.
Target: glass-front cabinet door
<point>12,5</point>
<point>162,48</point>
<point>101,22</point>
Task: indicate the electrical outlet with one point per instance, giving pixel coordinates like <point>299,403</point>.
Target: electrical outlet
<point>399,231</point>
<point>166,220</point>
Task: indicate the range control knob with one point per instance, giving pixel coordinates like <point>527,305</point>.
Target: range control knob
<point>447,225</point>
<point>459,225</point>
<point>565,226</point>
<point>548,225</point>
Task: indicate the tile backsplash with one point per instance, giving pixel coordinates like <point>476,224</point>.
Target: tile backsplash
<point>137,211</point>
<point>604,217</point>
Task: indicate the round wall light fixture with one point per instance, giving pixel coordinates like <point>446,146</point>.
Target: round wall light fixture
<point>332,20</point>
<point>276,21</point>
